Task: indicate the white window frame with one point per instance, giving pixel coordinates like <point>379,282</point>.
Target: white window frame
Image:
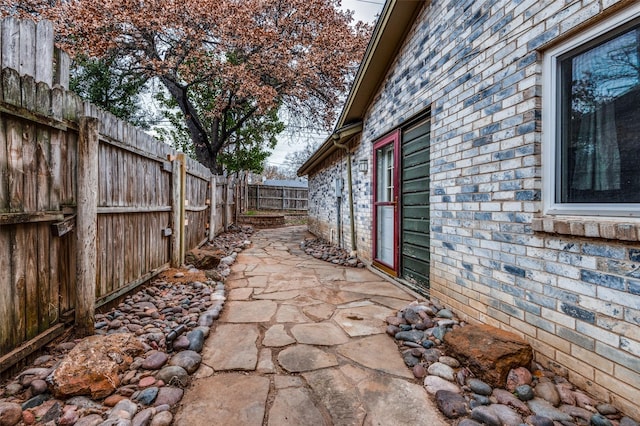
<point>550,121</point>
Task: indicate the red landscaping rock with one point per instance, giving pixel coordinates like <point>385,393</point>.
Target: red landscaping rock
<point>489,352</point>
<point>93,365</point>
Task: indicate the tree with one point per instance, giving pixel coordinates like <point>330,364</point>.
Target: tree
<point>294,160</point>
<point>109,83</point>
<point>249,56</point>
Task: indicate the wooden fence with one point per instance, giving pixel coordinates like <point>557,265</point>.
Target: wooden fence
<point>263,197</point>
<point>90,207</point>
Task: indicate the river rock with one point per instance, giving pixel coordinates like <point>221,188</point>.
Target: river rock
<point>489,352</point>
<point>518,376</point>
<point>163,418</point>
<point>38,386</point>
<point>444,313</point>
<point>450,361</point>
<point>469,422</point>
<point>69,416</point>
<point>93,366</point>
<point>143,418</point>
<point>452,404</point>
<point>412,316</point>
<point>507,415</point>
<point>168,395</point>
<point>196,340</point>
<point>90,420</point>
<point>606,409</point>
<point>35,401</point>
<point>410,336</point>
<point>486,415</point>
<point>524,393</point>
<point>626,421</point>
<point>173,375</point>
<point>543,408</point>
<point>441,370</point>
<point>155,360</point>
<point>578,412</point>
<point>434,383</point>
<point>10,413</point>
<point>124,409</point>
<point>507,398</point>
<point>189,360</point>
<point>539,421</point>
<point>479,387</point>
<point>147,396</point>
<point>600,420</point>
<point>548,392</point>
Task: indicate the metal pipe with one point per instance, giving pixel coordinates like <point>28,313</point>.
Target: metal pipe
<point>336,137</point>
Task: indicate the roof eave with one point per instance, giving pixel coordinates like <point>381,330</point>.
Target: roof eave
<point>391,29</point>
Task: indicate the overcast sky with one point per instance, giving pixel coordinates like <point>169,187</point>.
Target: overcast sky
<point>365,10</point>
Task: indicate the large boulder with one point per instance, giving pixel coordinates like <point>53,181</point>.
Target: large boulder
<point>489,352</point>
<point>204,259</point>
<point>93,365</point>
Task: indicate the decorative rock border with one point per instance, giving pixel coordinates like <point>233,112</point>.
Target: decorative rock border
<point>170,318</point>
<point>533,396</point>
<point>320,249</point>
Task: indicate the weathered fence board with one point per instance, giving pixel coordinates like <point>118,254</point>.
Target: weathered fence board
<point>263,197</point>
<point>50,272</point>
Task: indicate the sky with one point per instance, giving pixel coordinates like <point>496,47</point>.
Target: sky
<point>294,139</point>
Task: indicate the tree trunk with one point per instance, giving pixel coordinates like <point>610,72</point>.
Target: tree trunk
<point>206,152</point>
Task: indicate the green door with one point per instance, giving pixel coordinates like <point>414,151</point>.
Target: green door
<point>414,255</point>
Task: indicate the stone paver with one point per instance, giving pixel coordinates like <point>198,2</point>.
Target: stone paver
<point>363,320</point>
<point>294,406</point>
<point>378,353</point>
<point>276,336</point>
<point>232,347</point>
<point>251,311</point>
<point>309,338</point>
<point>323,334</point>
<point>336,392</point>
<point>229,399</point>
<point>305,358</point>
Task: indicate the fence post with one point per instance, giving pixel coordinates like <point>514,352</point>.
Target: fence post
<point>176,210</point>
<point>213,206</point>
<point>227,205</point>
<point>86,225</point>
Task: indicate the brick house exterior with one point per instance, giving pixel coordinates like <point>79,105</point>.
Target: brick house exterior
<point>503,249</point>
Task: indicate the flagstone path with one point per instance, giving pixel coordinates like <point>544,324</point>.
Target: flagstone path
<point>302,342</point>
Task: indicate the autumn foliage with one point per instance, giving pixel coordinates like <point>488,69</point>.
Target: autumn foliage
<point>249,56</point>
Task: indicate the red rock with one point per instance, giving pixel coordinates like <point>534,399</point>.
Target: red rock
<point>112,400</point>
<point>419,371</point>
<point>28,418</point>
<point>517,377</point>
<point>93,366</point>
<point>489,352</point>
<point>145,382</point>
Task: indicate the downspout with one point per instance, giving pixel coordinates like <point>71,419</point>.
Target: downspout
<point>336,138</point>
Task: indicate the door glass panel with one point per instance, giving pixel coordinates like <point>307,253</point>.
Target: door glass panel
<point>385,214</point>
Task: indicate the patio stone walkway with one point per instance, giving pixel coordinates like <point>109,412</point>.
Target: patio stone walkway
<point>302,342</point>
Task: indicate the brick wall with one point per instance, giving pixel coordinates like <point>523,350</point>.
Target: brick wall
<point>575,296</point>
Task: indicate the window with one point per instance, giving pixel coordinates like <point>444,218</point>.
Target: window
<point>592,121</point>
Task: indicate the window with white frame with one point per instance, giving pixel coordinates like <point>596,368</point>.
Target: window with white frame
<point>592,120</point>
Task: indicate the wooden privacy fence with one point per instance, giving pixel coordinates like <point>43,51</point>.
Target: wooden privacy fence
<point>90,207</point>
<point>263,197</point>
